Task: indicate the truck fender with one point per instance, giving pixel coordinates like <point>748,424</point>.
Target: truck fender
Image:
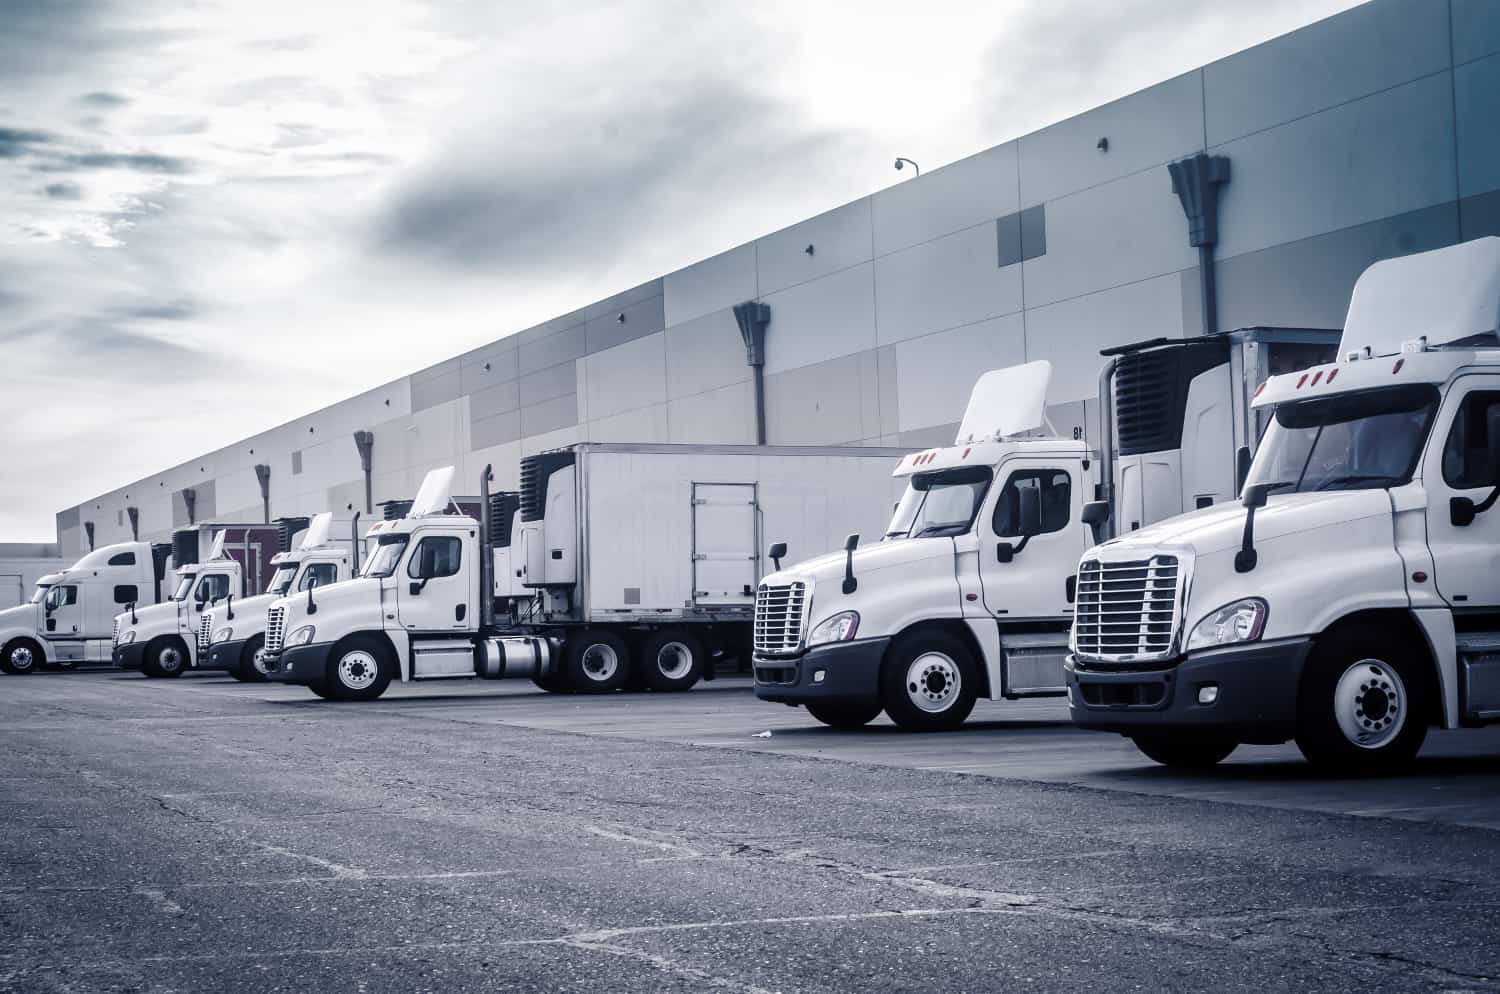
<point>1436,626</point>
<point>987,636</point>
<point>402,648</point>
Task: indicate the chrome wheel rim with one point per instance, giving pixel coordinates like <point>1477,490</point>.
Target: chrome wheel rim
<point>674,660</point>
<point>258,662</point>
<point>170,659</point>
<point>21,658</point>
<point>357,669</point>
<point>1370,704</point>
<point>933,682</point>
<point>600,662</point>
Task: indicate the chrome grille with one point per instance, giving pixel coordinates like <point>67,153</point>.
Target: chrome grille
<point>1127,611</point>
<point>779,611</point>
<point>115,635</point>
<point>275,629</point>
<point>205,632</point>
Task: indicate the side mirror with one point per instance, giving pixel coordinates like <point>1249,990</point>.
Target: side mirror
<point>778,553</point>
<point>1095,513</point>
<point>851,542</point>
<point>415,587</point>
<point>1256,496</point>
<point>1241,467</point>
<point>1030,511</point>
<point>1005,552</point>
<point>1461,512</point>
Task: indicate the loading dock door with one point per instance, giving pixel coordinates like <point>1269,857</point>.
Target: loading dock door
<point>725,543</point>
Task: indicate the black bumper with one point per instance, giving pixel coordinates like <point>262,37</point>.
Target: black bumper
<point>851,672</point>
<point>1257,693</point>
<point>304,664</point>
<point>222,656</point>
<point>130,656</point>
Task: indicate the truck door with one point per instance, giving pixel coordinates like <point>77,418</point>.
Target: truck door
<point>436,586</point>
<point>724,543</point>
<point>64,614</point>
<point>1466,557</point>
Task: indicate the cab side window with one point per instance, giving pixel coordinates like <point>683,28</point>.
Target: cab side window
<point>1466,454</point>
<point>126,593</point>
<point>1054,489</point>
<point>436,555</point>
<point>67,596</point>
<point>321,574</point>
<point>122,559</point>
<point>214,587</point>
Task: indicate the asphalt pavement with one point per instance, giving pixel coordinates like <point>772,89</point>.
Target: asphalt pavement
<point>204,835</point>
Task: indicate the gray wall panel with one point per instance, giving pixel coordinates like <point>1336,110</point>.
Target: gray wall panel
<point>1145,129</point>
<point>717,282</point>
<point>706,353</point>
<point>1476,29</point>
<point>615,303</point>
<point>545,384</point>
<point>722,416</point>
<point>1308,283</point>
<point>436,371</point>
<point>606,330</point>
<point>944,283</point>
<point>935,374</point>
<point>1387,154</point>
<point>549,415</point>
<point>551,350</point>
<point>494,400</point>
<point>822,403</point>
<point>1370,48</point>
<point>1481,215</point>
<point>820,320</point>
<point>503,358</point>
<point>495,430</point>
<point>625,377</point>
<point>1476,94</point>
<point>435,390</point>
<point>840,238</point>
<point>971,191</point>
<point>887,369</point>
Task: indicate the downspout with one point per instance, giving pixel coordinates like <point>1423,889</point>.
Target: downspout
<point>88,527</point>
<point>134,514</point>
<point>365,442</point>
<point>1107,443</point>
<point>1196,181</point>
<point>190,501</point>
<point>753,316</point>
<point>263,474</point>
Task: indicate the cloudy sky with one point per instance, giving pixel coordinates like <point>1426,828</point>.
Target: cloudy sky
<point>216,215</point>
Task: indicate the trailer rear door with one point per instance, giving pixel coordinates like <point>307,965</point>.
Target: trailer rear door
<point>725,543</point>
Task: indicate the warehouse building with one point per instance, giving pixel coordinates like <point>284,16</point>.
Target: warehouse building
<point>1267,180</point>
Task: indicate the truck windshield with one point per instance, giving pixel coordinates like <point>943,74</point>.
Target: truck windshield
<point>281,580</point>
<point>942,502</point>
<point>384,556</point>
<point>1357,441</point>
<point>183,586</point>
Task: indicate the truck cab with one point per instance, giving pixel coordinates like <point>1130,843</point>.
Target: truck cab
<point>1351,599</point>
<point>160,640</point>
<point>967,594</point>
<point>70,615</point>
<point>231,634</point>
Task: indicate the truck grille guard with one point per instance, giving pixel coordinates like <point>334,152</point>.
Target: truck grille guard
<point>275,629</point>
<point>781,617</point>
<point>205,633</point>
<point>1129,608</point>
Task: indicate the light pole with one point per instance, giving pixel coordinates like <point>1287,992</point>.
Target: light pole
<point>904,161</point>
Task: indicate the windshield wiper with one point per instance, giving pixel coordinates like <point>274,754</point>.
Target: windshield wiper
<point>938,529</point>
<point>1356,478</point>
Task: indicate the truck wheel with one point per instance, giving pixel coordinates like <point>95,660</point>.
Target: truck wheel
<point>1187,750</point>
<point>553,683</point>
<point>251,667</point>
<point>21,656</point>
<point>1362,706</point>
<point>597,662</point>
<point>164,658</point>
<point>844,714</point>
<point>672,659</point>
<point>928,682</point>
<point>358,670</point>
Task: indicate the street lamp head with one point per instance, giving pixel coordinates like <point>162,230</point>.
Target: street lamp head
<point>902,162</point>
<point>899,163</point>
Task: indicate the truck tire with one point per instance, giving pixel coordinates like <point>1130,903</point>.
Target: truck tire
<point>928,682</point>
<point>844,714</point>
<point>553,683</point>
<point>21,656</point>
<point>672,659</point>
<point>359,669</point>
<point>165,658</point>
<point>598,661</point>
<point>1186,750</point>
<point>1363,704</point>
<point>251,668</point>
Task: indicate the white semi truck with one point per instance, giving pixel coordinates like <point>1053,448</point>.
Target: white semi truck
<point>615,564</point>
<point>231,634</point>
<point>69,619</point>
<point>161,640</point>
<point>971,592</point>
<point>1351,600</point>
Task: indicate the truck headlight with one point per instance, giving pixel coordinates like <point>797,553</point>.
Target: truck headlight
<point>839,628</point>
<point>301,636</point>
<point>127,636</point>
<point>223,635</point>
<point>1241,621</point>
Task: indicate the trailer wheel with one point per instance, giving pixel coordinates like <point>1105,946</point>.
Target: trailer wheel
<point>21,656</point>
<point>928,682</point>
<point>844,714</point>
<point>359,669</point>
<point>251,667</point>
<point>1186,750</point>
<point>1363,705</point>
<point>672,659</point>
<point>598,661</point>
<point>165,657</point>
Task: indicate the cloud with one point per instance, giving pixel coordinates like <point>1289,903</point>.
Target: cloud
<point>103,98</point>
<point>175,310</point>
<point>145,162</point>
<point>16,142</point>
<point>63,191</point>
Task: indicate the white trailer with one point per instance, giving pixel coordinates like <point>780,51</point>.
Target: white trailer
<point>1352,599</point>
<point>616,564</point>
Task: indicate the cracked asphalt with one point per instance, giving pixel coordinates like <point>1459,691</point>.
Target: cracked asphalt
<point>201,835</point>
